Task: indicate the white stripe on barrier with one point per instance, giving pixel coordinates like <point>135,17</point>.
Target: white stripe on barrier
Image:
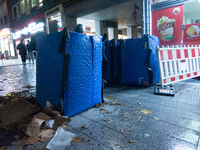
<point>177,64</point>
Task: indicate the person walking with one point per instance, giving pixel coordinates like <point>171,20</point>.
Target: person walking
<point>30,52</point>
<point>22,51</point>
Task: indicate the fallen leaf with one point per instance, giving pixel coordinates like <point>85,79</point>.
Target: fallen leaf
<point>76,139</point>
<point>133,124</point>
<point>116,145</point>
<point>28,86</point>
<point>30,141</point>
<point>59,121</point>
<point>25,91</point>
<point>110,97</point>
<point>122,130</point>
<point>146,111</point>
<point>124,126</point>
<point>103,111</point>
<point>156,118</point>
<point>16,144</point>
<point>84,126</point>
<point>131,141</point>
<point>42,148</point>
<point>98,105</point>
<point>129,130</point>
<point>9,94</point>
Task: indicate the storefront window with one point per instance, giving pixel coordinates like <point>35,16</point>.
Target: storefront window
<point>18,9</point>
<point>22,7</point>
<point>33,3</point>
<point>40,4</point>
<point>27,7</point>
<point>14,12</point>
<point>191,12</point>
<point>5,19</point>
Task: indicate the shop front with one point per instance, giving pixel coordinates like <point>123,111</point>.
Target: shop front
<point>27,29</point>
<point>6,42</point>
<point>53,19</point>
<point>176,23</point>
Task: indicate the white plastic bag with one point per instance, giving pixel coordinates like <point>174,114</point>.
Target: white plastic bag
<point>61,139</point>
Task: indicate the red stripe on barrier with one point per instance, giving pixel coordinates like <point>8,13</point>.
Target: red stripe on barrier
<point>170,57</point>
<point>193,53</point>
<point>178,54</point>
<point>165,81</point>
<point>195,73</point>
<point>173,79</point>
<point>186,53</point>
<point>161,55</point>
<point>181,77</point>
<point>188,75</point>
<point>199,51</point>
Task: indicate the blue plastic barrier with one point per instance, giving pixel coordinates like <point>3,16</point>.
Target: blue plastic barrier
<point>134,58</point>
<point>84,82</point>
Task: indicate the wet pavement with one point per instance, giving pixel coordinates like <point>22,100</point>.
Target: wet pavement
<point>170,123</point>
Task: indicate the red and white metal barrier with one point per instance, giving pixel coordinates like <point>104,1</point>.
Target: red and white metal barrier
<point>177,64</point>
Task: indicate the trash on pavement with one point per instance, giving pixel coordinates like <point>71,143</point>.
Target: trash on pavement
<point>146,111</point>
<point>18,110</point>
<point>61,139</point>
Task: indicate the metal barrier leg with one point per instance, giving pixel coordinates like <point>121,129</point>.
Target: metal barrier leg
<point>167,90</point>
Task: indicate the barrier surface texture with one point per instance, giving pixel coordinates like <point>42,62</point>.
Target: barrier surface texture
<point>113,62</point>
<point>84,82</point>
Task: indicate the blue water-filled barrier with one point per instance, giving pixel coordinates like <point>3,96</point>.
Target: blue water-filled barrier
<point>84,81</point>
<point>135,61</point>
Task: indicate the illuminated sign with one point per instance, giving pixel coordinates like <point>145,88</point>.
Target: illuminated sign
<point>5,32</point>
<point>31,29</point>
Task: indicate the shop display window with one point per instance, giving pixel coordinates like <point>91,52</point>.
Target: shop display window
<point>40,4</point>
<point>34,3</point>
<point>28,7</point>
<point>18,10</point>
<point>6,19</point>
<point>22,7</point>
<point>14,12</point>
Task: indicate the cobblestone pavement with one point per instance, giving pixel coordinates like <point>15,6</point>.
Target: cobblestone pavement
<point>171,123</point>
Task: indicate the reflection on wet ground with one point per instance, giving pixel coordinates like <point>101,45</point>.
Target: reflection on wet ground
<point>132,118</point>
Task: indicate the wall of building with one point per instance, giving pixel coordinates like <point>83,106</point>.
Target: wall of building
<point>5,12</point>
<point>47,4</point>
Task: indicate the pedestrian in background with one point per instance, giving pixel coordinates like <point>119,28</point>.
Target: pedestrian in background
<point>30,52</point>
<point>22,51</point>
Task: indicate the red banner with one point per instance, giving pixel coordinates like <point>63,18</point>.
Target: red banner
<point>192,34</point>
<point>167,23</point>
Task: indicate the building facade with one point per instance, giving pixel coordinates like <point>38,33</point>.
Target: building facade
<point>29,16</point>
<point>6,24</point>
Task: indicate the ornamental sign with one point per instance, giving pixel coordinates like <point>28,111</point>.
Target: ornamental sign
<point>5,32</point>
<point>30,29</point>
